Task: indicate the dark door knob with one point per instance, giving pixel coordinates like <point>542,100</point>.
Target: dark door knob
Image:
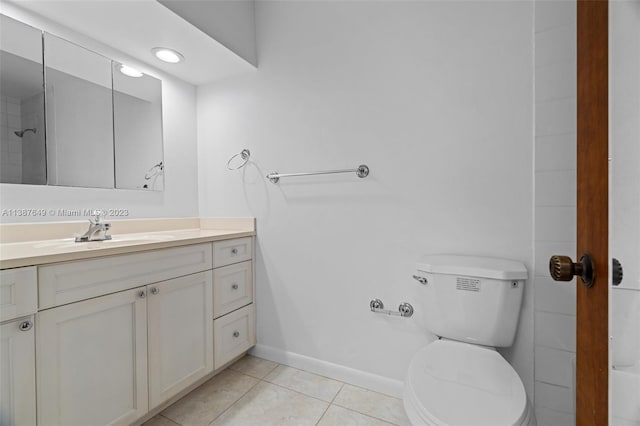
<point>562,268</point>
<point>616,271</point>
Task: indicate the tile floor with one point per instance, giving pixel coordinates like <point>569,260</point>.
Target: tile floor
<point>255,391</point>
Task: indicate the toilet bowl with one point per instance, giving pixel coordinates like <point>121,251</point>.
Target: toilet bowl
<point>455,383</point>
<point>473,304</point>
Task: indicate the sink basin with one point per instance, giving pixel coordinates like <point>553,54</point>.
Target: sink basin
<point>153,238</point>
<point>115,240</point>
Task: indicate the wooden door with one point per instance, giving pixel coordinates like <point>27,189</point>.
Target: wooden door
<point>180,313</point>
<point>91,361</point>
<point>592,367</point>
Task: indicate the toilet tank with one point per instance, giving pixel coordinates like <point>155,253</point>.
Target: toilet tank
<point>471,299</point>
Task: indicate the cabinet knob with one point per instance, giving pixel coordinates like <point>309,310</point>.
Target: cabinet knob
<point>234,286</point>
<point>236,333</point>
<point>155,290</point>
<point>234,251</point>
<point>26,325</point>
<point>142,294</point>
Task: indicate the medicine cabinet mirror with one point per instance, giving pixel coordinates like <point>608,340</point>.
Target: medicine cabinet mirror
<point>77,119</point>
<point>22,143</point>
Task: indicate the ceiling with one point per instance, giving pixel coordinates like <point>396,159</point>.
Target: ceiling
<point>135,27</point>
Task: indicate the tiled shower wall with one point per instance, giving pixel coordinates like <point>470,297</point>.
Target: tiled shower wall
<point>34,168</point>
<point>555,208</point>
<point>10,144</point>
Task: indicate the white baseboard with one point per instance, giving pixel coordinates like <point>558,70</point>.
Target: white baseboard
<point>349,375</point>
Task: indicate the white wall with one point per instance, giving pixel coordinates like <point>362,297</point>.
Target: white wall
<point>436,98</point>
<point>180,197</point>
<point>555,209</point>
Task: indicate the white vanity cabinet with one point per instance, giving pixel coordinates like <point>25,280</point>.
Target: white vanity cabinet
<point>180,333</point>
<point>92,361</point>
<point>17,347</point>
<point>119,336</point>
<point>233,309</point>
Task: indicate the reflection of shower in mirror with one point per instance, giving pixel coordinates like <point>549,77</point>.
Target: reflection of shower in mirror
<point>152,175</point>
<point>20,133</point>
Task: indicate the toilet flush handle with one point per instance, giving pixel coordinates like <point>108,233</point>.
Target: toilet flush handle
<point>421,280</point>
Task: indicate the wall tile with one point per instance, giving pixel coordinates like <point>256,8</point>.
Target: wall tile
<point>554,366</point>
<point>555,45</point>
<point>546,417</point>
<point>555,201</point>
<point>625,327</point>
<point>553,296</point>
<point>556,117</point>
<point>555,224</point>
<point>556,80</point>
<point>556,152</point>
<point>625,401</point>
<point>14,121</point>
<point>552,14</point>
<point>556,188</point>
<point>555,331</point>
<point>557,398</point>
<point>13,108</point>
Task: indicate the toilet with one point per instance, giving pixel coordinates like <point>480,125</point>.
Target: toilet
<point>472,304</point>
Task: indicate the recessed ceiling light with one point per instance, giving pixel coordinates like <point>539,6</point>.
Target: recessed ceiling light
<point>167,55</point>
<point>131,72</point>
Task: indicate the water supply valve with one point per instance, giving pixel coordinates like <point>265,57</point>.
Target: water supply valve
<point>404,310</point>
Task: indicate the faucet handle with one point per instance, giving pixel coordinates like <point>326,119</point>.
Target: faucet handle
<point>97,217</point>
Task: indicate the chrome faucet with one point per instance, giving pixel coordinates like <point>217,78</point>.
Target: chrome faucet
<point>98,230</point>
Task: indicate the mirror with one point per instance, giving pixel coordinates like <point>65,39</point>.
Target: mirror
<point>79,120</point>
<point>22,129</point>
<point>79,115</point>
<point>137,110</point>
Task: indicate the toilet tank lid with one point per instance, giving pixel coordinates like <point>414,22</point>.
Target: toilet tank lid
<point>473,266</point>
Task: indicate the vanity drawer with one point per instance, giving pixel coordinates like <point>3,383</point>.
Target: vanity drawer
<point>233,334</point>
<point>232,251</point>
<point>232,288</point>
<point>18,292</point>
<point>72,281</point>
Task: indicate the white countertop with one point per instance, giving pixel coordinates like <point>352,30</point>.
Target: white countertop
<point>44,251</point>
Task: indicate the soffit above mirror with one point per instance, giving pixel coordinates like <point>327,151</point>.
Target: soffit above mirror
<point>135,27</point>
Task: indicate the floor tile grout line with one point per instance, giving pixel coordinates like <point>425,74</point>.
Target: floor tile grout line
<point>251,375</point>
<point>300,393</point>
<point>306,371</point>
<point>172,421</point>
<point>365,414</point>
<point>239,398</point>
<point>334,398</point>
<point>330,404</point>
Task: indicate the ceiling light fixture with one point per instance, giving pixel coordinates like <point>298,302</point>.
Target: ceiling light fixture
<point>131,72</point>
<point>167,55</point>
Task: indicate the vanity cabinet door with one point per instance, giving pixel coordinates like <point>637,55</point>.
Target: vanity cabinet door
<point>17,373</point>
<point>91,360</point>
<point>180,313</point>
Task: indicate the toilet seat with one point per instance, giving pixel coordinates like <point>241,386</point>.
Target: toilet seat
<point>452,383</point>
